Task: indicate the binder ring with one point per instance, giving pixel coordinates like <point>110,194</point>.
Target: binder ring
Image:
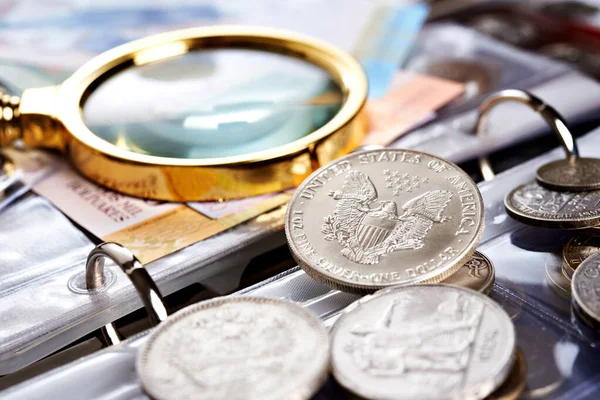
<point>550,115</point>
<point>137,274</point>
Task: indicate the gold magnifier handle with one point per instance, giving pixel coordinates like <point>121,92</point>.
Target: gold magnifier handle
<point>31,119</point>
<point>10,122</point>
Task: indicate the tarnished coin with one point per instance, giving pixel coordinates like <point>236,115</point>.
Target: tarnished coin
<point>236,348</point>
<point>586,287</point>
<point>567,272</point>
<point>477,274</point>
<point>535,205</point>
<point>423,342</point>
<point>572,174</point>
<point>382,218</point>
<point>513,386</point>
<point>556,280</point>
<point>577,249</point>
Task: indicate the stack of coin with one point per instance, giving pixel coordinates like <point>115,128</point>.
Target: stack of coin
<point>388,217</point>
<point>586,293</point>
<point>555,276</point>
<point>577,249</point>
<point>427,342</point>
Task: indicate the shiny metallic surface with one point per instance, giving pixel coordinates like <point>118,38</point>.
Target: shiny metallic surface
<point>586,287</point>
<point>535,205</point>
<point>236,348</point>
<point>477,274</point>
<point>578,248</point>
<point>135,271</point>
<point>382,218</point>
<point>514,384</point>
<point>573,174</point>
<point>52,117</point>
<point>556,279</point>
<point>423,342</point>
<point>550,115</point>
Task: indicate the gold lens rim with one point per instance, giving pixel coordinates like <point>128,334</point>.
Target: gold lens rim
<point>345,70</point>
<point>178,179</point>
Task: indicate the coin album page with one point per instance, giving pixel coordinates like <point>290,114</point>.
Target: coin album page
<point>561,358</point>
<point>46,306</point>
<point>47,302</point>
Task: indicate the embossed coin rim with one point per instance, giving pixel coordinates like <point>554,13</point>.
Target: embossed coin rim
<point>435,276</point>
<point>553,276</point>
<point>303,390</point>
<point>557,223</point>
<point>488,284</point>
<point>515,382</point>
<point>575,293</point>
<point>497,376</point>
<point>568,266</point>
<point>560,186</point>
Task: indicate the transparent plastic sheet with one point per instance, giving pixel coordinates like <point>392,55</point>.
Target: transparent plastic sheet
<point>53,310</point>
<point>492,65</point>
<point>43,301</point>
<point>574,95</point>
<point>561,360</point>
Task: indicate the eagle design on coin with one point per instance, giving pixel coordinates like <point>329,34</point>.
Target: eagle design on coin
<point>368,232</point>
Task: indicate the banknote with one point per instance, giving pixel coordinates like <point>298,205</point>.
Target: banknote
<point>411,100</point>
<point>150,229</point>
<point>77,32</point>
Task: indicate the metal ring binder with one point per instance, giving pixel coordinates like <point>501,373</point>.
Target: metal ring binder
<point>550,115</point>
<point>135,271</point>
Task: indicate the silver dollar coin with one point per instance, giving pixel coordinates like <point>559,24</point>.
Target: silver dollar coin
<point>236,348</point>
<point>586,287</point>
<point>423,342</point>
<point>535,205</point>
<point>383,218</point>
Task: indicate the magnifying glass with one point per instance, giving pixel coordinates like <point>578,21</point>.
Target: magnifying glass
<point>207,113</point>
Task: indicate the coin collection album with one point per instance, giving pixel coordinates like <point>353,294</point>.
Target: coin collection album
<point>300,200</point>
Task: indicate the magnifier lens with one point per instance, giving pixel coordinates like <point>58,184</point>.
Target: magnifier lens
<point>212,103</point>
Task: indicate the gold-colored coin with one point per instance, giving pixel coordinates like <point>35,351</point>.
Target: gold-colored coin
<point>577,249</point>
<point>514,384</point>
<point>478,274</point>
<point>570,174</point>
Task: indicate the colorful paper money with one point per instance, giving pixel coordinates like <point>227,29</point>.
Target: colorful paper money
<point>411,100</point>
<point>150,229</point>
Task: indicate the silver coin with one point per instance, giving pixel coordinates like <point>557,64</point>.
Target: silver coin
<point>535,205</point>
<point>585,287</point>
<point>571,174</point>
<point>382,218</point>
<point>236,348</point>
<point>423,342</point>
